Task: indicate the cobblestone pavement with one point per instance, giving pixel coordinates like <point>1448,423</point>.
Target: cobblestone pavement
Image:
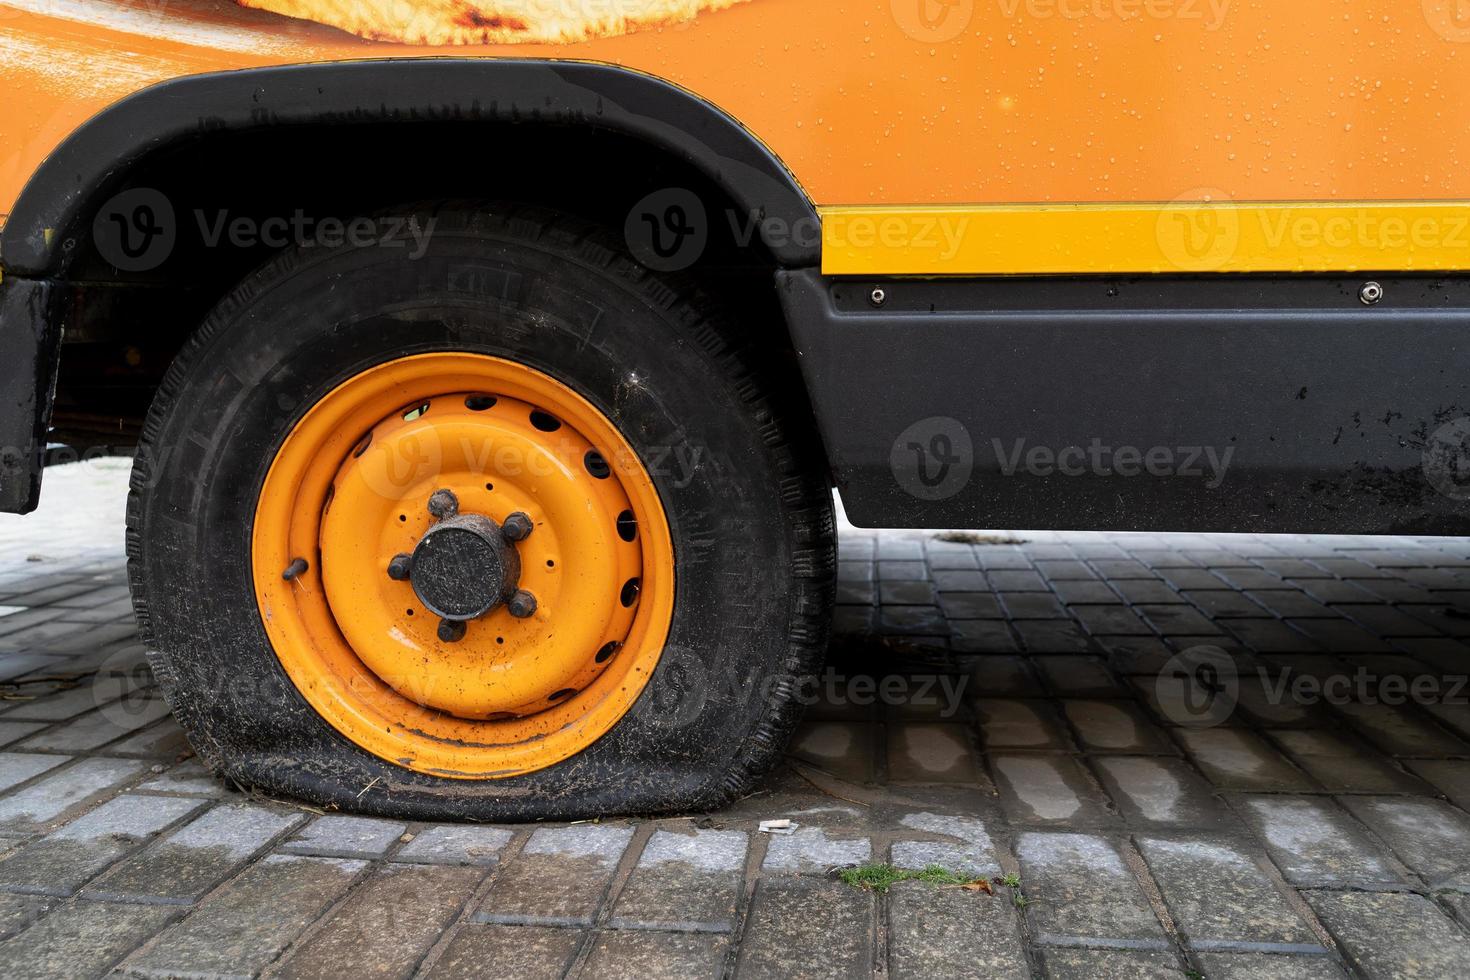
<point>1006,708</point>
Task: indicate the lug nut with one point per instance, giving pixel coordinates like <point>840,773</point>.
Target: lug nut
<point>400,568</point>
<point>522,605</point>
<point>443,504</point>
<point>517,527</point>
<point>451,631</point>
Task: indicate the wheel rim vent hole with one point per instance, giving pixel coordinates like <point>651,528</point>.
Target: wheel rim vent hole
<point>608,651</point>
<point>480,403</point>
<point>630,592</point>
<point>545,421</point>
<point>627,526</point>
<point>596,465</point>
<point>416,412</point>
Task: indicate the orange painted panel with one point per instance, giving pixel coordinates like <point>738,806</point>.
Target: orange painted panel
<point>913,101</point>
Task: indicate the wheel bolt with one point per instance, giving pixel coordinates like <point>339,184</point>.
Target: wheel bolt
<point>517,527</point>
<point>443,504</point>
<point>400,568</point>
<point>451,631</point>
<point>522,605</point>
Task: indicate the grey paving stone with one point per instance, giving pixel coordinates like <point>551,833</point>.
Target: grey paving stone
<point>67,704</point>
<point>1456,714</point>
<point>1450,776</point>
<point>188,777</point>
<point>14,665</point>
<point>523,952</point>
<point>684,881</point>
<point>1430,836</point>
<point>1402,731</point>
<point>387,925</point>
<point>1238,760</point>
<point>919,593</point>
<point>913,620</point>
<point>841,748</point>
<point>1016,724</point>
<point>1079,676</point>
<point>1080,592</point>
<point>1394,936</point>
<point>997,676</point>
<point>1146,591</point>
<point>99,727</point>
<point>1254,966</point>
<point>1270,702</point>
<point>930,753</point>
<point>17,767</point>
<point>1316,845</point>
<point>1162,793</point>
<point>1218,895</point>
<point>339,836</point>
<point>181,867</point>
<point>1083,891</point>
<point>1089,964</point>
<point>466,844</point>
<point>811,850</point>
<point>1051,637</point>
<point>947,932</point>
<point>247,926</point>
<point>14,731</point>
<point>1145,656</point>
<point>1032,605</point>
<point>19,912</point>
<point>1111,620</point>
<point>971,605</point>
<point>33,807</point>
<point>964,846</point>
<point>792,925</point>
<point>61,862</point>
<point>559,878</point>
<point>656,956</point>
<point>1342,766</point>
<point>164,740</point>
<point>80,939</point>
<point>1268,636</point>
<point>982,636</point>
<point>1115,726</point>
<point>1049,789</point>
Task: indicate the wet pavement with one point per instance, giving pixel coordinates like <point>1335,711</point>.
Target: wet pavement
<point>1159,755</point>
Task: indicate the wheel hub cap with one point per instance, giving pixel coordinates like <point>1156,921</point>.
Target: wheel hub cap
<point>463,567</point>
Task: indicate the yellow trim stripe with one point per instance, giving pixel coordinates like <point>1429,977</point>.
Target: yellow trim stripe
<point>1182,236</point>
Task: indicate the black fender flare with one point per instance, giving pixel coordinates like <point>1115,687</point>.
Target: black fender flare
<point>66,188</point>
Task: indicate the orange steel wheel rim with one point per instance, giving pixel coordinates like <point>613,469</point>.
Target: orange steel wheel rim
<point>349,491</point>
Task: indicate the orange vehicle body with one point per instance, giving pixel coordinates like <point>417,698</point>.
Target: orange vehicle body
<point>909,104</point>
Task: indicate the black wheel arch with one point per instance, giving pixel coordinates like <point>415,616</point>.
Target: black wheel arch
<point>95,159</point>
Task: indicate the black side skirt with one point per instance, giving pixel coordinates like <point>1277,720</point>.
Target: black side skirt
<point>1269,404</point>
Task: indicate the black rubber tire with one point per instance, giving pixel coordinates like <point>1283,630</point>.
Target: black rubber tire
<point>752,522</point>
